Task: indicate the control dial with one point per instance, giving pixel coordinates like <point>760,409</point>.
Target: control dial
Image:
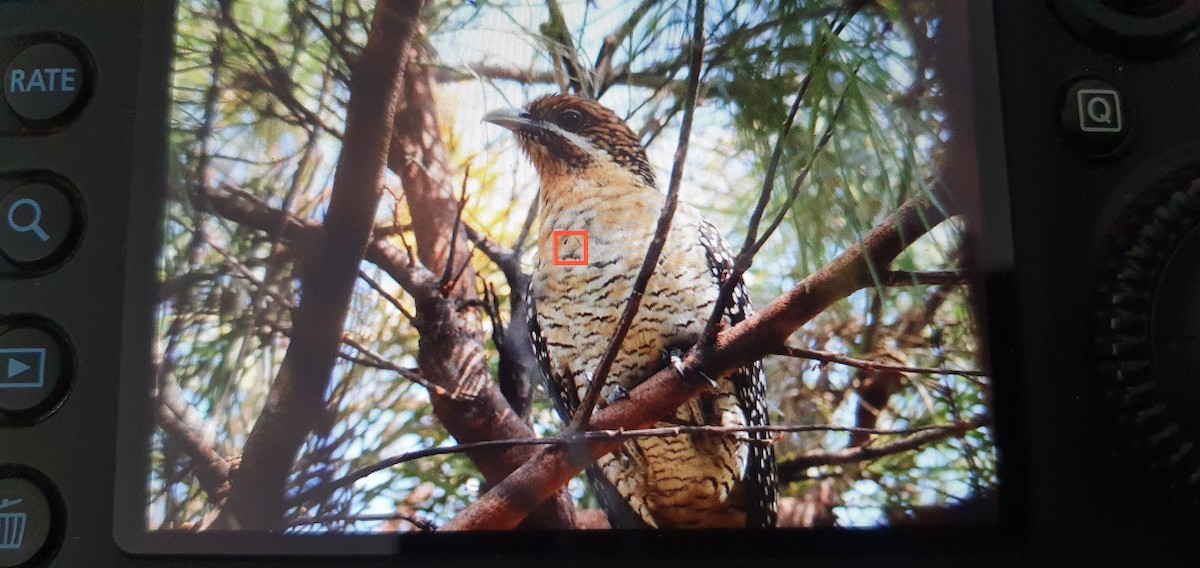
<point>1148,321</point>
<point>1142,28</point>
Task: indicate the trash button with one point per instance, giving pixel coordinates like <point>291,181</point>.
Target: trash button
<point>25,521</point>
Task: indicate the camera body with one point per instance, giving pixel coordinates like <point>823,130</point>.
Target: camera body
<point>1086,132</point>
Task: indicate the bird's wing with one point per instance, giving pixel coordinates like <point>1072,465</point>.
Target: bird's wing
<point>751,385</point>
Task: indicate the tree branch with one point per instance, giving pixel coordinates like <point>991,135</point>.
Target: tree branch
<point>830,357</point>
<point>181,423</point>
<point>297,395</point>
<point>452,351</point>
<point>558,40</point>
<point>794,469</point>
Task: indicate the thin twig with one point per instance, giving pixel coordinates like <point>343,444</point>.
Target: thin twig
<point>320,492</point>
<point>383,293</point>
<point>466,263</point>
<point>383,363</point>
<point>794,192</point>
<point>526,227</point>
<point>561,44</point>
<point>794,468</point>
<point>603,66</point>
<point>447,280</point>
<point>831,357</point>
<point>583,414</point>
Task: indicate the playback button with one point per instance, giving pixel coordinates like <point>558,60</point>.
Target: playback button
<point>35,371</point>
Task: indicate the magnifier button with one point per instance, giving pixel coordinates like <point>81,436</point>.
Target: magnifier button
<point>36,223</point>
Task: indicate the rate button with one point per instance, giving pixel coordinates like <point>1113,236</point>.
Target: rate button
<point>44,82</point>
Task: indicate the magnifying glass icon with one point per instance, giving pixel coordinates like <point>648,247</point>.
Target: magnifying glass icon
<point>34,225</point>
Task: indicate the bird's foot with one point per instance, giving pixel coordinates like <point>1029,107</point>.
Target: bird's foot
<point>618,393</point>
<point>676,358</point>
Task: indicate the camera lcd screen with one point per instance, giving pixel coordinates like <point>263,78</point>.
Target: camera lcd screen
<point>373,322</point>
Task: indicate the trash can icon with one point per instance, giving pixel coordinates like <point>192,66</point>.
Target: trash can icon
<point>12,526</point>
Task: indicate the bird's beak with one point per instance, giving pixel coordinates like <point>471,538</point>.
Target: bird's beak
<point>510,118</point>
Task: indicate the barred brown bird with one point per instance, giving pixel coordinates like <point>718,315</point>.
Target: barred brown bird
<point>595,177</point>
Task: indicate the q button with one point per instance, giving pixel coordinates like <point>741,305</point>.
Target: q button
<point>1095,117</point>
<point>38,225</point>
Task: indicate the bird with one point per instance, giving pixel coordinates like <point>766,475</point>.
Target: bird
<point>595,177</point>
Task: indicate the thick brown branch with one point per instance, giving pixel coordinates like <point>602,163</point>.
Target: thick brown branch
<point>297,395</point>
<point>452,351</point>
<point>245,209</point>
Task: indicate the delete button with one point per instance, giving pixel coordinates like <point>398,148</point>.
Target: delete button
<point>44,82</point>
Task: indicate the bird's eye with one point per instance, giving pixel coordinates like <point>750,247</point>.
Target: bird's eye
<point>570,120</point>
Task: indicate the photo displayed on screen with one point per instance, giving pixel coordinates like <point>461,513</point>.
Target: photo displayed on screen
<point>370,322</point>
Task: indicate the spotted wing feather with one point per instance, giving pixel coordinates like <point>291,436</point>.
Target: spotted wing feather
<point>761,483</point>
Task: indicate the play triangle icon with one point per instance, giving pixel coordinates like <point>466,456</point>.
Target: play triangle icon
<point>16,367</point>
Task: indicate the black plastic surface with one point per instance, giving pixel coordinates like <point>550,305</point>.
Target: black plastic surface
<point>1176,328</point>
<point>1083,498</point>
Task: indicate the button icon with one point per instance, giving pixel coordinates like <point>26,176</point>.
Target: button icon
<point>34,211</point>
<point>25,516</point>
<point>12,526</point>
<point>35,369</point>
<point>1095,116</point>
<point>37,223</point>
<point>44,82</point>
<point>25,368</point>
<point>1099,110</point>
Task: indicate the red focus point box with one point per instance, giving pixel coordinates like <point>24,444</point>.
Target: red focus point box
<point>558,237</point>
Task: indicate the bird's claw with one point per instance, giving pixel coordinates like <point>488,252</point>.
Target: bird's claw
<point>618,393</point>
<point>677,365</point>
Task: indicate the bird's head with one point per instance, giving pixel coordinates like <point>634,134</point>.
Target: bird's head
<point>568,135</point>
